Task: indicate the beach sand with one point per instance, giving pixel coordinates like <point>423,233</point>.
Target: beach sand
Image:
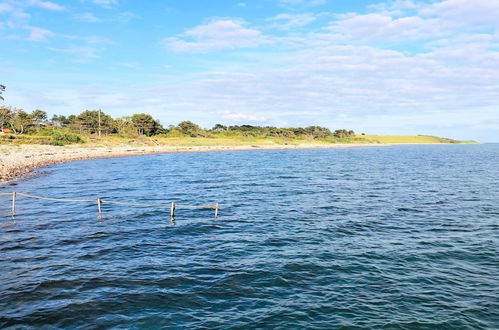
<point>20,160</point>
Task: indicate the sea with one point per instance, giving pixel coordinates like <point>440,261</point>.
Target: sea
<point>397,237</point>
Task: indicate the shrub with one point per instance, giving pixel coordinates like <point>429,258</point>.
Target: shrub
<point>61,137</point>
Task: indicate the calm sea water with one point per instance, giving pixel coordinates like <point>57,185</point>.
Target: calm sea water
<point>402,237</point>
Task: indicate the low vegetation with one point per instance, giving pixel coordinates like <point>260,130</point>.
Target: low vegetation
<point>98,128</point>
<point>398,139</point>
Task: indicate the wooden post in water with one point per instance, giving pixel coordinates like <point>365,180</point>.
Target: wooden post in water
<point>13,204</point>
<point>172,211</point>
<point>99,207</point>
<point>216,210</point>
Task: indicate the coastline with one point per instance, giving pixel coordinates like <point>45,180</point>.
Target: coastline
<point>20,161</point>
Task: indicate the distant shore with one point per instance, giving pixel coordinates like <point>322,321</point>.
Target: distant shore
<point>20,160</point>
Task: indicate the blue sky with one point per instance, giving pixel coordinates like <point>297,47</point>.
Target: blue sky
<point>393,67</point>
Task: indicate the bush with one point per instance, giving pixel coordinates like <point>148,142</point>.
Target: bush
<point>60,137</point>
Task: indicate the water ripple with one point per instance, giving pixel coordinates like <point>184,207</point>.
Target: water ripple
<point>400,238</point>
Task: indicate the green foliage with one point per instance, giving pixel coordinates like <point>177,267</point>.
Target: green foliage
<point>39,115</point>
<point>93,121</point>
<point>20,121</point>
<point>2,89</point>
<point>219,128</point>
<point>146,124</point>
<point>61,137</point>
<point>125,127</point>
<point>24,139</point>
<point>38,118</point>
<point>343,133</point>
<point>190,129</point>
<point>310,132</point>
<point>61,121</point>
<point>5,116</point>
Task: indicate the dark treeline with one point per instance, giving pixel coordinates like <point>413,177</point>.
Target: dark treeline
<point>96,122</point>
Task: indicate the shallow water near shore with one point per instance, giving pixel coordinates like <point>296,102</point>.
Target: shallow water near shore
<point>396,237</point>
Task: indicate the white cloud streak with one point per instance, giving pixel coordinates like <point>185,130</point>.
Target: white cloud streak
<point>48,5</point>
<point>39,34</point>
<point>291,21</point>
<point>216,36</point>
<point>105,3</point>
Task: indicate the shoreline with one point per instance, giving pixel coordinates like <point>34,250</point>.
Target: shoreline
<point>20,161</point>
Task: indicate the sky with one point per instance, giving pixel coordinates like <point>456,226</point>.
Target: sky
<point>377,67</point>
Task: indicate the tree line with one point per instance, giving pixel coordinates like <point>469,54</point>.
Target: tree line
<point>96,122</point>
<point>88,122</point>
<point>99,123</point>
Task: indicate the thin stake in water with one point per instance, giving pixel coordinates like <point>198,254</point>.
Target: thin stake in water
<point>172,211</point>
<point>13,204</point>
<point>99,207</point>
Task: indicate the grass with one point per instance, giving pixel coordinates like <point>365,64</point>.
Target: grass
<point>221,140</point>
<point>410,139</point>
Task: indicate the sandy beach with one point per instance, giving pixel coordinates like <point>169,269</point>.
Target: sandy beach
<point>21,160</point>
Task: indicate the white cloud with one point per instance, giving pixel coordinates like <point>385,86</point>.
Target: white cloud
<point>126,16</point>
<point>130,65</point>
<point>5,8</point>
<point>242,117</point>
<point>39,34</point>
<point>382,27</point>
<point>292,21</point>
<point>123,17</point>
<point>46,5</point>
<point>105,3</point>
<point>397,7</point>
<point>294,3</point>
<point>465,12</point>
<point>96,40</point>
<point>84,49</point>
<point>87,17</point>
<point>215,36</point>
<point>81,54</point>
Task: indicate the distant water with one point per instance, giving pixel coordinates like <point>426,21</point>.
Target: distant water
<point>402,237</point>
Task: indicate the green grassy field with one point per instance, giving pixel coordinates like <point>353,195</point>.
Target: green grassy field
<point>409,139</point>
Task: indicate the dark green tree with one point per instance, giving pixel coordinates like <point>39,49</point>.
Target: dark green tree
<point>20,121</point>
<point>219,128</point>
<point>343,133</point>
<point>317,132</point>
<point>189,128</point>
<point>94,121</point>
<point>5,116</point>
<point>2,89</point>
<point>146,124</point>
<point>38,118</point>
<point>60,121</point>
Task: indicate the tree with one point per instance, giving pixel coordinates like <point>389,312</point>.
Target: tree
<point>219,128</point>
<point>124,126</point>
<point>317,132</point>
<point>5,116</point>
<point>2,89</point>
<point>60,120</point>
<point>38,118</point>
<point>189,128</point>
<point>343,133</point>
<point>93,121</point>
<point>20,121</point>
<point>146,124</point>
